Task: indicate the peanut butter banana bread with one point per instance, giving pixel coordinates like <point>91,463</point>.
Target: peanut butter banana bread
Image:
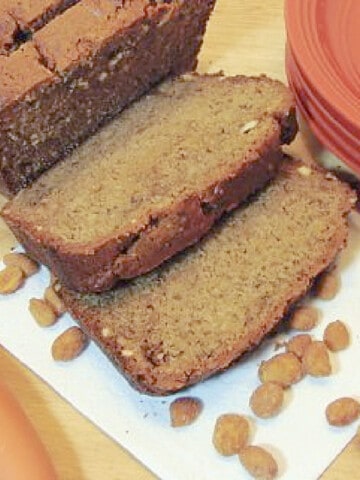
<point>154,180</point>
<point>94,58</point>
<point>20,18</point>
<point>199,312</point>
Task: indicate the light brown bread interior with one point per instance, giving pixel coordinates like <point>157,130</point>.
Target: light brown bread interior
<point>198,313</point>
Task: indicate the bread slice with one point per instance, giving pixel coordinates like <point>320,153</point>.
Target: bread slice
<point>199,312</point>
<point>81,69</point>
<point>154,181</point>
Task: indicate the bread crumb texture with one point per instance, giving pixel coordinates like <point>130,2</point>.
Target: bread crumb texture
<point>170,145</point>
<point>199,312</point>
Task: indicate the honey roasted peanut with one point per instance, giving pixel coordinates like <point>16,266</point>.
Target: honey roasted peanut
<point>42,312</point>
<point>299,344</point>
<point>342,411</point>
<point>24,262</point>
<point>53,299</point>
<point>316,360</point>
<point>258,462</point>
<point>267,400</point>
<point>327,286</point>
<point>336,336</point>
<point>231,434</point>
<point>69,344</point>
<point>284,369</point>
<point>184,411</point>
<point>304,318</point>
<point>11,279</point>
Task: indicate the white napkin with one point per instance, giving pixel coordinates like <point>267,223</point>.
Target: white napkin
<point>300,438</point>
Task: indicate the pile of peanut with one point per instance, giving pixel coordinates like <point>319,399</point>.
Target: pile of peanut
<point>45,311</point>
<point>303,356</point>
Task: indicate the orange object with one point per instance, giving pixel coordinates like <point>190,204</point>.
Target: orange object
<point>323,67</point>
<point>22,455</point>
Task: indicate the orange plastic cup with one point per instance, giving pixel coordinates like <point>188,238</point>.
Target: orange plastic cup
<point>22,454</point>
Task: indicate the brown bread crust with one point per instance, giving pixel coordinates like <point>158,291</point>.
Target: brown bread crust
<point>20,18</point>
<point>95,59</point>
<point>149,352</point>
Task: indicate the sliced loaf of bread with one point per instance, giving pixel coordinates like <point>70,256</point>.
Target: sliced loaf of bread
<point>154,180</point>
<point>80,69</point>
<point>203,309</point>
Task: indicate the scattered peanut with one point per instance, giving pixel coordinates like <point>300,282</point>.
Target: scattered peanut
<point>304,318</point>
<point>54,301</point>
<point>27,265</point>
<point>11,279</point>
<point>42,312</point>
<point>327,286</point>
<point>184,411</point>
<point>299,344</point>
<point>284,368</point>
<point>69,344</point>
<point>267,400</point>
<point>258,462</point>
<point>316,360</point>
<point>231,434</point>
<point>336,336</point>
<point>342,411</point>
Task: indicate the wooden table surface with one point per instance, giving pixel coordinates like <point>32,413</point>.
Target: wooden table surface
<point>244,36</point>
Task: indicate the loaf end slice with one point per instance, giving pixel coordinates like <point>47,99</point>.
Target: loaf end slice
<point>156,179</point>
<point>100,56</point>
<point>201,311</point>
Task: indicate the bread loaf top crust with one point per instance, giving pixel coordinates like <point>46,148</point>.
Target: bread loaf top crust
<point>20,18</point>
<point>82,68</point>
